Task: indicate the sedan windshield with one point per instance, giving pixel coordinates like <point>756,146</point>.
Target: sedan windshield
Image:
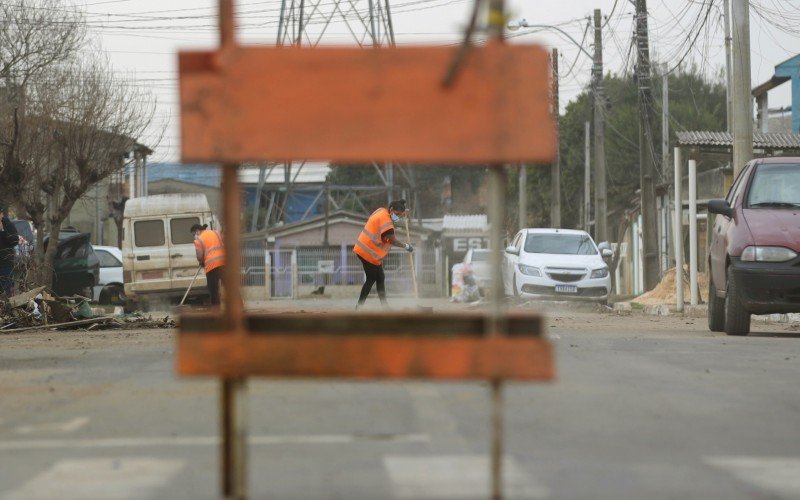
<point>557,243</point>
<point>776,186</point>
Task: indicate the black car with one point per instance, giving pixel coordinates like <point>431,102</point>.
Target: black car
<point>76,267</point>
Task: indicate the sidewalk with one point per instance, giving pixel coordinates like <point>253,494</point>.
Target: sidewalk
<point>690,311</point>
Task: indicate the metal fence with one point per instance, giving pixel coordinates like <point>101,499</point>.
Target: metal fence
<point>329,266</point>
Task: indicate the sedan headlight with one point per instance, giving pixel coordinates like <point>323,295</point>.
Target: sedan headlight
<point>529,270</point>
<point>600,273</point>
<point>767,254</point>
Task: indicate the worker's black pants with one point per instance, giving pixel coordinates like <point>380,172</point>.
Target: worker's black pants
<point>374,275</point>
<point>212,281</point>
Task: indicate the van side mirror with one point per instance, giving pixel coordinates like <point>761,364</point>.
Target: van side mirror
<point>604,245</point>
<point>720,207</point>
<point>512,250</point>
<point>607,253</point>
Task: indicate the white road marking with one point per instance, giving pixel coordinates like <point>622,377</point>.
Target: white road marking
<point>99,479</point>
<point>167,441</point>
<point>68,426</point>
<point>456,476</point>
<point>780,475</point>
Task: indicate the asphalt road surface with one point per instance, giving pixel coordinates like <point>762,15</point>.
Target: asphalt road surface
<point>643,408</point>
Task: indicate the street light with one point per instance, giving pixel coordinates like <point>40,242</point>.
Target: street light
<point>523,23</point>
<point>556,168</point>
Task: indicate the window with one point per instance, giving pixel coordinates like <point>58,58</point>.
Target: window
<point>75,249</point>
<point>179,232</point>
<point>517,241</point>
<point>775,185</point>
<point>148,233</point>
<point>736,188</point>
<point>106,259</point>
<point>560,243</point>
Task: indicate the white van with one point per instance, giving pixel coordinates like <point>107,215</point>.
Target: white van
<point>158,253</point>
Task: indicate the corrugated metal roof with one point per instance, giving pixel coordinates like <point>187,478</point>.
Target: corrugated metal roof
<point>725,139</point>
<point>465,223</point>
<point>301,173</point>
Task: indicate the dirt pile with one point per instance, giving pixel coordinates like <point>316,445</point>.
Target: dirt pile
<point>665,291</point>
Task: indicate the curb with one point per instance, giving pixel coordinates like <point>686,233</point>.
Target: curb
<point>698,311</point>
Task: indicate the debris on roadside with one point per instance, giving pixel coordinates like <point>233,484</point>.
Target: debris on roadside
<point>41,309</point>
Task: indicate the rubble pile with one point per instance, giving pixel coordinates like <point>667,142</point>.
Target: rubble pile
<point>40,308</point>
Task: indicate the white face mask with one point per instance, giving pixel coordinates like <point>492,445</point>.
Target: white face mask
<point>395,217</point>
<point>196,236</point>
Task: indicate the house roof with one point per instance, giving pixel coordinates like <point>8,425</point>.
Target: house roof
<point>460,223</point>
<point>725,140</point>
<point>303,172</point>
<point>339,216</point>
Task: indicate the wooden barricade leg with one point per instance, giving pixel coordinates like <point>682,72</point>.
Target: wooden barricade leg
<point>496,325</point>
<point>233,417</point>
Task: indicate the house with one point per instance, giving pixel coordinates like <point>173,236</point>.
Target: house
<point>318,251</point>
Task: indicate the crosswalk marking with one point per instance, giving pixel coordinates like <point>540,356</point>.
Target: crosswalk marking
<point>62,427</point>
<point>779,475</point>
<point>99,479</point>
<point>456,476</point>
<point>172,441</point>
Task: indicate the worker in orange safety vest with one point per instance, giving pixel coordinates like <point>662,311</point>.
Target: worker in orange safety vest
<point>210,251</point>
<point>374,243</point>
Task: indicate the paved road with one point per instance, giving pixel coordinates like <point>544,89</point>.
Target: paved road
<point>644,407</point>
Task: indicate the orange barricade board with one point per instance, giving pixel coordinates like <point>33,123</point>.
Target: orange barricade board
<point>349,105</point>
<point>368,346</point>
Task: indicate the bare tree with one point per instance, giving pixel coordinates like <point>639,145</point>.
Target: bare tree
<point>35,35</point>
<point>80,125</point>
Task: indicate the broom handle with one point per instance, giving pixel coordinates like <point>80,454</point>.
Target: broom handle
<point>411,261</point>
<point>191,284</point>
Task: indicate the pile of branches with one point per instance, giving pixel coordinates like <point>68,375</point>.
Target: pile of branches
<point>40,309</point>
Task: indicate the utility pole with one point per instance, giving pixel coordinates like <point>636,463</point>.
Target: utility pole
<point>647,170</point>
<point>587,175</point>
<point>600,219</point>
<point>742,100</point>
<point>523,196</point>
<point>665,122</point>
<point>726,11</point>
<point>555,169</point>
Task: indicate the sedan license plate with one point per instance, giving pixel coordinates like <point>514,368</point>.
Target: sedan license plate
<point>566,289</point>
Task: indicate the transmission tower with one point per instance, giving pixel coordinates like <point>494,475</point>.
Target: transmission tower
<point>309,23</point>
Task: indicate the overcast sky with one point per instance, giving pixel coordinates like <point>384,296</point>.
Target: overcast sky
<point>142,37</point>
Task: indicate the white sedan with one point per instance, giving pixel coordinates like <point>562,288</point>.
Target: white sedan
<point>556,264</point>
<point>110,288</point>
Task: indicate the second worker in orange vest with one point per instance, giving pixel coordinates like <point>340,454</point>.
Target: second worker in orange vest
<point>210,252</point>
<point>374,243</point>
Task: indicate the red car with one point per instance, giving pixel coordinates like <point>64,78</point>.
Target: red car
<point>754,256</point>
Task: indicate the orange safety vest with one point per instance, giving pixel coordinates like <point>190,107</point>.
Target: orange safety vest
<point>370,245</point>
<point>212,248</point>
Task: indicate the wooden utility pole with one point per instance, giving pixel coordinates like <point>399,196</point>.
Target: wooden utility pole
<point>665,123</point>
<point>555,169</point>
<point>523,195</point>
<point>726,11</point>
<point>587,176</point>
<point>647,170</point>
<point>742,100</point>
<point>600,219</point>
